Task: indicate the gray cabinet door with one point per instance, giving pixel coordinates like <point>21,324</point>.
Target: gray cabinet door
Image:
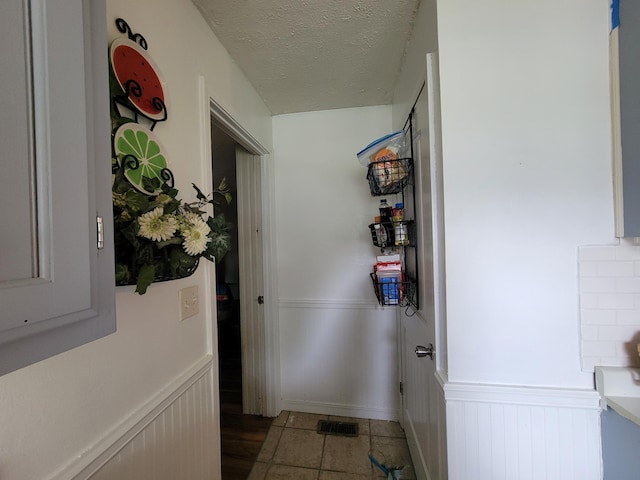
<point>625,69</point>
<point>56,286</point>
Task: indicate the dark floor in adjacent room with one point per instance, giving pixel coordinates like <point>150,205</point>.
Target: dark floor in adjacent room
<point>242,435</point>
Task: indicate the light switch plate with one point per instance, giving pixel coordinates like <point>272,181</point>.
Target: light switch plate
<point>189,302</point>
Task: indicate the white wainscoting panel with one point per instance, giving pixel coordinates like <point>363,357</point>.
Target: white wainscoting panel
<point>339,358</point>
<point>504,433</point>
<point>174,436</point>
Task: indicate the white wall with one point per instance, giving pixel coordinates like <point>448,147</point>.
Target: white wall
<point>527,179</point>
<point>323,203</point>
<point>337,350</point>
<point>53,413</point>
<point>424,39</point>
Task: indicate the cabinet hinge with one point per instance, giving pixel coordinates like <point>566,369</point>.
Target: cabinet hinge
<point>100,224</point>
<point>401,389</point>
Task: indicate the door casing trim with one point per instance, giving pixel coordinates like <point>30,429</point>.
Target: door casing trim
<point>266,359</point>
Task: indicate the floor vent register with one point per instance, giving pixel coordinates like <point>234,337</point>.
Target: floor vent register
<point>345,429</point>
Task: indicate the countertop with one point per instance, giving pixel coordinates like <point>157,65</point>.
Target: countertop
<point>619,388</point>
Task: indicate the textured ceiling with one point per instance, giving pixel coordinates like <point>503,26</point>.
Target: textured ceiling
<point>307,55</point>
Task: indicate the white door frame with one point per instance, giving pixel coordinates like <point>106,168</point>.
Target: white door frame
<point>266,359</point>
<point>250,253</point>
<point>430,459</point>
<point>437,199</point>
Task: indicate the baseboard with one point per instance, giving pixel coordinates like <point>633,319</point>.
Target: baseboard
<point>99,454</point>
<point>341,410</point>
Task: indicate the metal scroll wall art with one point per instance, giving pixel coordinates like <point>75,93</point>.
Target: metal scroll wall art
<point>137,105</point>
<point>140,174</point>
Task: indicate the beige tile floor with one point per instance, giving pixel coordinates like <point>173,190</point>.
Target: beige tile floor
<point>294,450</point>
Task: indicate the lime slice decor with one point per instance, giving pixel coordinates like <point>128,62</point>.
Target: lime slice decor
<point>136,142</point>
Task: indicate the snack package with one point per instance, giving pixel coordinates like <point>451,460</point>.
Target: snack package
<point>388,271</point>
<point>388,172</point>
<point>383,158</point>
<point>388,147</point>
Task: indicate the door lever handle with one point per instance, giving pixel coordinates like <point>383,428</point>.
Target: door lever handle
<point>421,351</point>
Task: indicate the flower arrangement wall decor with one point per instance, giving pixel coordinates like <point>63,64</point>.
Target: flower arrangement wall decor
<point>158,236</point>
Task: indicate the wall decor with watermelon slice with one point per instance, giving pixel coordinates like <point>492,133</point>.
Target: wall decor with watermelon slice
<point>158,236</point>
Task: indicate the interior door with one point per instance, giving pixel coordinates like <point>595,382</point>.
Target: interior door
<point>250,247</point>
<point>422,398</point>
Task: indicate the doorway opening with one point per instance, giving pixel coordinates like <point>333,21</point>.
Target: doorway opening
<point>223,153</point>
<point>255,198</point>
<point>241,343</point>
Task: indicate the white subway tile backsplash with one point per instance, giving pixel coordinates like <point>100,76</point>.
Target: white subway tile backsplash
<point>590,269</point>
<point>609,288</point>
<point>616,361</point>
<point>626,284</point>
<point>627,251</point>
<point>598,348</point>
<point>616,269</point>
<point>616,301</point>
<point>619,333</point>
<point>598,317</point>
<point>598,285</point>
<point>628,317</point>
<point>589,332</point>
<point>589,301</point>
<point>606,252</point>
<point>628,351</point>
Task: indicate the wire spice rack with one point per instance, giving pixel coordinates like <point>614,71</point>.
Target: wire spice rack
<point>396,177</point>
<point>393,292</point>
<point>390,176</point>
<point>392,234</point>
